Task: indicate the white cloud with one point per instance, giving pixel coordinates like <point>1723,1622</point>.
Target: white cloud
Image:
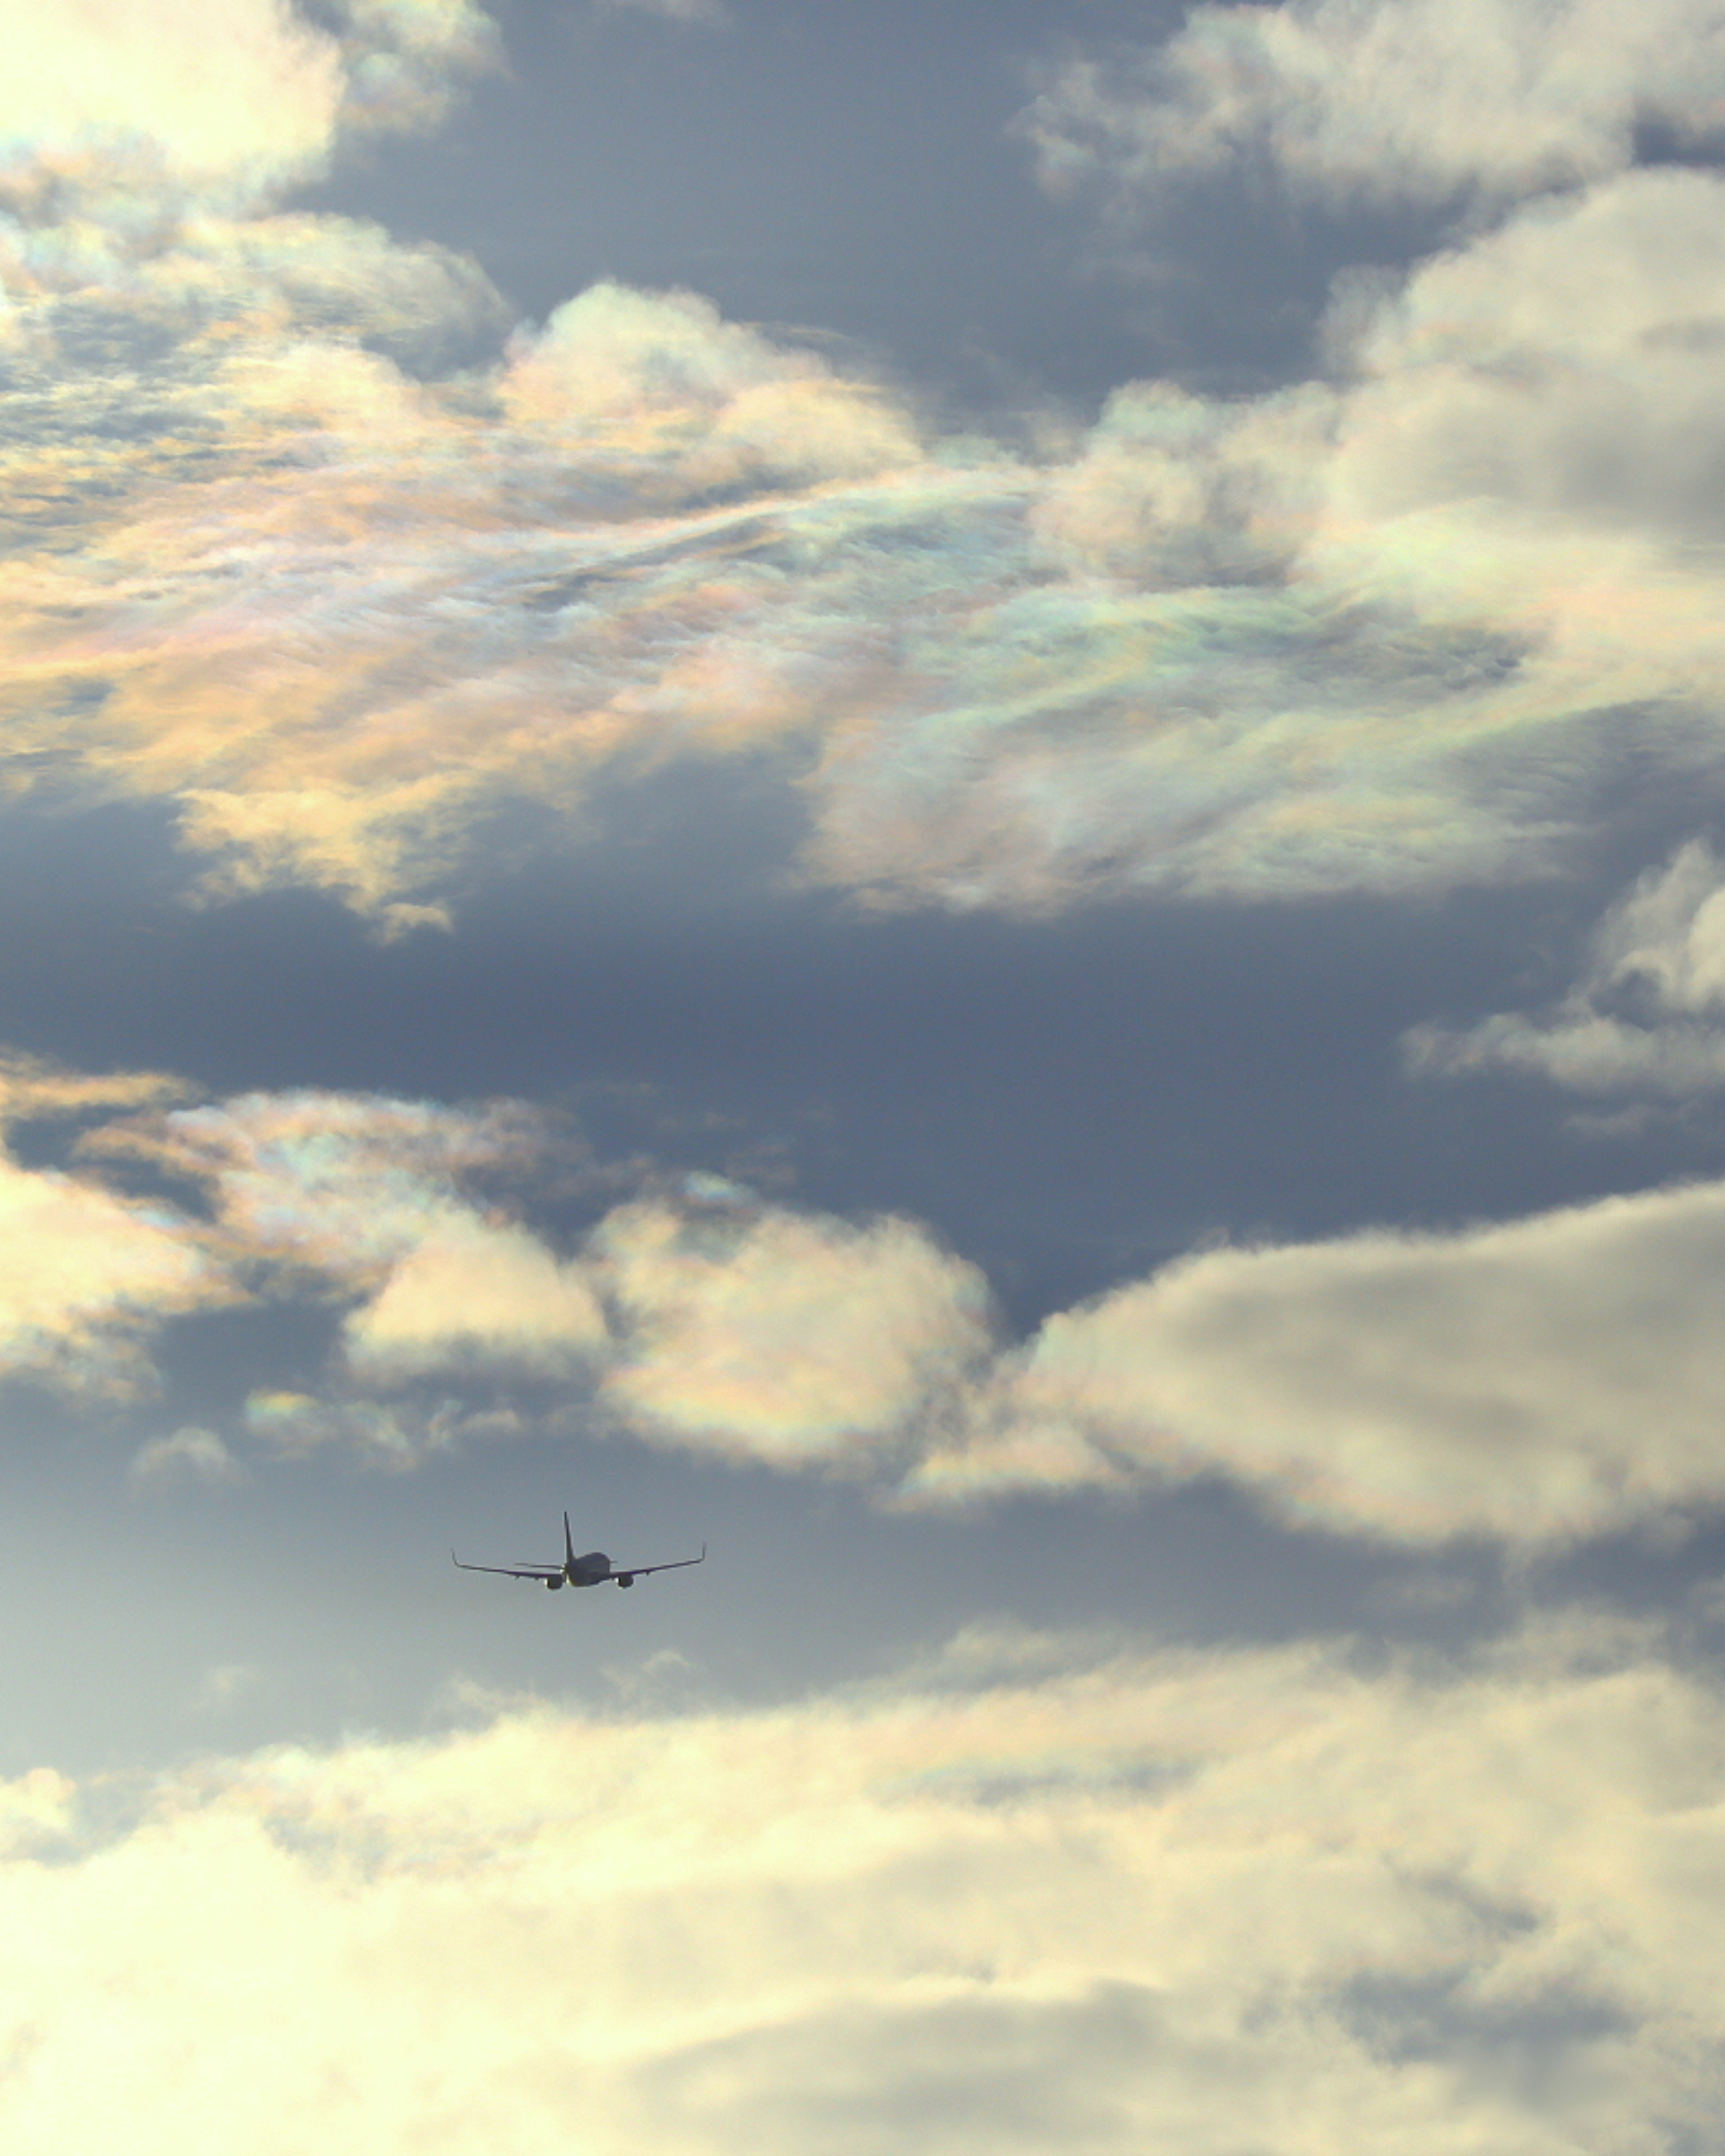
<point>226,98</point>
<point>224,1684</point>
<point>1647,1015</point>
<point>795,1340</point>
<point>1202,1901</point>
<point>1553,1376</point>
<point>1398,101</point>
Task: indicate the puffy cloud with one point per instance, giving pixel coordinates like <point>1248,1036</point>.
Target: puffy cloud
<point>1537,1381</point>
<point>1398,101</point>
<point>661,388</point>
<point>340,1187</point>
<point>1353,636</point>
<point>1205,1900</point>
<point>86,1274</point>
<point>1647,1015</point>
<point>477,1290</point>
<point>1549,1378</point>
<point>789,1339</point>
<point>252,86</point>
<point>114,101</point>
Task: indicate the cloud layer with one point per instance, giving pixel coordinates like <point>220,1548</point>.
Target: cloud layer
<point>1538,1381</point>
<point>1209,1899</point>
<point>304,545</point>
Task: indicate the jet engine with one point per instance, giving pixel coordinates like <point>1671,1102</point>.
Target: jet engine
<point>555,1584</point>
<point>625,1579</point>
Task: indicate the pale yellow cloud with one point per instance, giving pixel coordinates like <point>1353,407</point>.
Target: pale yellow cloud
<point>1539,1380</point>
<point>796,1340</point>
<point>339,1187</point>
<point>86,1275</point>
<point>476,1290</point>
<point>1204,1900</point>
<point>1553,1376</point>
<point>245,86</point>
<point>223,99</point>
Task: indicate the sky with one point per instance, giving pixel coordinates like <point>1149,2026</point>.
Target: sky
<point>936,794</point>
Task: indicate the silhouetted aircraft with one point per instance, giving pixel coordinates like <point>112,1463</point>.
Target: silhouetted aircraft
<point>595,1569</point>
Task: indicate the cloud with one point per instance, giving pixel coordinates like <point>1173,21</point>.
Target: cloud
<point>223,1684</point>
<point>1165,1899</point>
<point>478,1291</point>
<point>710,15</point>
<point>1550,1378</point>
<point>1535,1381</point>
<point>200,1454</point>
<point>316,556</point>
<point>337,1188</point>
<point>1393,100</point>
<point>790,1339</point>
<point>118,99</point>
<point>1647,1015</point>
<point>86,1275</point>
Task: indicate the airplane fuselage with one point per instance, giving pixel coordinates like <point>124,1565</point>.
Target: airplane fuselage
<point>592,1570</point>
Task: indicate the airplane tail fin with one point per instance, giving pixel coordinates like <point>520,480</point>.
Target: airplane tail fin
<point>568,1540</point>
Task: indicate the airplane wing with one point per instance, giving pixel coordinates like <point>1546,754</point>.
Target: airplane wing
<point>640,1571</point>
<point>512,1572</point>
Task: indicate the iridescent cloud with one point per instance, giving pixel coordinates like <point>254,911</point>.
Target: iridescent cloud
<point>1535,1382</point>
<point>301,545</point>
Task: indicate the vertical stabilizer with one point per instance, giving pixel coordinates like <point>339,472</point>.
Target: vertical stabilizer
<point>568,1544</point>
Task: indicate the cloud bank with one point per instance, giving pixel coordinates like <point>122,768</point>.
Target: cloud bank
<point>303,542</point>
<point>1537,1381</point>
<point>1208,1900</point>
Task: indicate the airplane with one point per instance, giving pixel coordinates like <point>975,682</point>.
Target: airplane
<point>595,1569</point>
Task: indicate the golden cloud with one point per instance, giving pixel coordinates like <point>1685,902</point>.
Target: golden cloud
<point>1167,1898</point>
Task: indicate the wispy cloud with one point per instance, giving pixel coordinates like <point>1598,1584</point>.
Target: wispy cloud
<point>709,14</point>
